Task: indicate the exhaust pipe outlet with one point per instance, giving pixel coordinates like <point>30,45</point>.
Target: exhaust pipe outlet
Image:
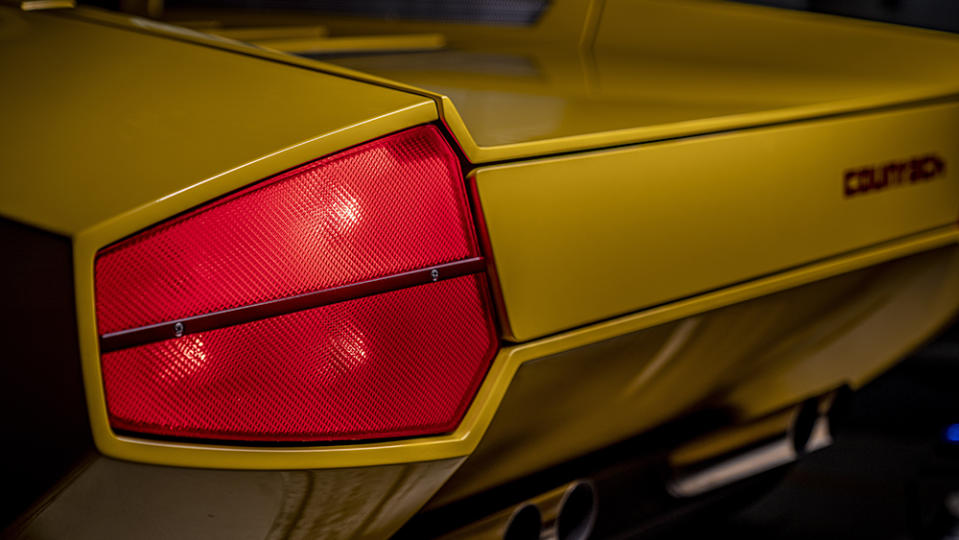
<point>804,425</point>
<point>520,522</point>
<point>569,511</point>
<point>525,524</point>
<point>810,428</point>
<point>840,408</point>
<point>833,410</point>
<point>577,513</point>
<point>697,480</point>
<point>739,461</point>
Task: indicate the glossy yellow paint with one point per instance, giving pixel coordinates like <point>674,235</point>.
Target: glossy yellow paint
<point>267,111</point>
<point>355,45</point>
<point>191,34</point>
<point>38,5</point>
<point>657,69</point>
<point>599,73</point>
<point>752,358</point>
<point>563,23</point>
<point>635,227</point>
<point>265,33</point>
<point>98,143</point>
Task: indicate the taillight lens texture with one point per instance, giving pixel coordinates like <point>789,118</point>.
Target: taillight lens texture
<point>388,206</point>
<point>400,363</point>
<point>396,364</point>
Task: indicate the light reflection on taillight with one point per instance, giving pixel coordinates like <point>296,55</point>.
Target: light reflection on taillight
<point>385,207</point>
<point>395,364</point>
<point>389,363</point>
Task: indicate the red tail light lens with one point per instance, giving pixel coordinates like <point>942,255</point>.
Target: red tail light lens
<point>385,365</point>
<point>385,207</point>
<point>331,302</point>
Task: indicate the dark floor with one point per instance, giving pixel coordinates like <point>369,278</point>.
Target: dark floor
<point>892,473</point>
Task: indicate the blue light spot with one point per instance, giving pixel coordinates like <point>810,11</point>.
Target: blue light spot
<point>952,433</point>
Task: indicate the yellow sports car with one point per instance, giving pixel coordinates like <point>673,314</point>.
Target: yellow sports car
<point>285,274</point>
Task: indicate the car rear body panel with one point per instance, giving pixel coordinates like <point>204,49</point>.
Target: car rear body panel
<point>750,358</point>
<point>648,70</point>
<point>670,224</point>
<point>177,122</point>
<point>635,227</point>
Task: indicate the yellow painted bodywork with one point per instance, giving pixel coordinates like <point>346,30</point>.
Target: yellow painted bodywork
<point>148,140</point>
<point>601,384</point>
<point>356,45</point>
<point>657,69</point>
<point>749,203</point>
<point>267,33</point>
<point>691,217</point>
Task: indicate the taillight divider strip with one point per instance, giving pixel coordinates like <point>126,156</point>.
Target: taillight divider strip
<point>271,308</point>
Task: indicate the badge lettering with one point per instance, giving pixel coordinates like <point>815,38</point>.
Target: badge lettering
<point>894,174</point>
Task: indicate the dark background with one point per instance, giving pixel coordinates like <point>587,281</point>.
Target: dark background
<point>936,14</point>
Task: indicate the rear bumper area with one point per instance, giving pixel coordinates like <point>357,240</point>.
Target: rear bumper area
<point>107,498</point>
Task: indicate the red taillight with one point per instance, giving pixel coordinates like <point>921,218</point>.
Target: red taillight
<point>394,364</point>
<point>331,302</point>
<point>385,207</point>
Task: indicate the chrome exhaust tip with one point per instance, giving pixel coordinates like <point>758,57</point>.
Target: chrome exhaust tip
<point>577,512</point>
<point>804,425</point>
<point>569,511</point>
<point>731,469</point>
<point>565,513</point>
<point>808,430</point>
<point>520,522</point>
<point>525,523</point>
